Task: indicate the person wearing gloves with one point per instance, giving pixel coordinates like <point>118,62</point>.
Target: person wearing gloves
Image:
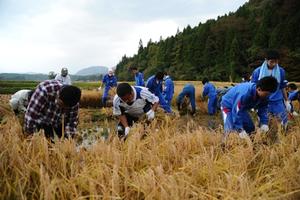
<point>131,103</point>
<point>154,84</point>
<point>110,81</point>
<point>293,95</point>
<point>64,77</point>
<point>48,104</point>
<point>19,101</point>
<point>210,91</point>
<point>189,92</point>
<point>138,77</point>
<point>168,90</point>
<point>278,101</point>
<point>242,98</point>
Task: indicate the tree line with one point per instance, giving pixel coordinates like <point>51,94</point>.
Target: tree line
<point>225,48</point>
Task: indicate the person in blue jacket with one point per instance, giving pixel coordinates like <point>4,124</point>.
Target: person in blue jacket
<point>154,84</point>
<point>168,90</point>
<point>278,101</point>
<point>110,81</point>
<point>243,97</point>
<point>138,77</point>
<point>189,92</point>
<point>293,95</point>
<point>210,91</point>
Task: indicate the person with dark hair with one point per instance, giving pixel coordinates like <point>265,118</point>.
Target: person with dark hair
<point>138,76</point>
<point>278,101</point>
<point>49,102</point>
<point>154,84</point>
<point>19,101</point>
<point>110,81</point>
<point>210,90</point>
<point>293,95</point>
<point>64,77</point>
<point>188,91</point>
<point>130,103</point>
<point>168,89</point>
<point>246,77</point>
<point>243,97</point>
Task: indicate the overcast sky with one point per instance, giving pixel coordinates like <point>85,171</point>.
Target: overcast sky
<point>45,35</point>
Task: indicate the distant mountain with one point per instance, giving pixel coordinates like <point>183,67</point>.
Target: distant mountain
<point>92,71</point>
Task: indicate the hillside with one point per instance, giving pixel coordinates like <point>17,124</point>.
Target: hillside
<point>225,48</point>
<point>42,77</point>
<point>92,71</point>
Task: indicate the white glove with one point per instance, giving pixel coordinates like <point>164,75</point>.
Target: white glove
<point>295,114</point>
<point>264,128</point>
<point>127,129</point>
<point>288,106</point>
<point>99,88</point>
<point>243,134</point>
<point>150,114</point>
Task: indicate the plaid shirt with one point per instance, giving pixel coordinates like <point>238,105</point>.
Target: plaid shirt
<point>43,109</point>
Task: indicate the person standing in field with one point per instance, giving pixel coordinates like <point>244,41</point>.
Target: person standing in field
<point>154,84</point>
<point>188,91</point>
<point>64,77</point>
<point>138,77</point>
<point>19,101</point>
<point>110,81</point>
<point>210,91</point>
<point>278,101</point>
<point>293,95</point>
<point>240,99</point>
<point>168,89</point>
<point>51,101</point>
<point>131,103</point>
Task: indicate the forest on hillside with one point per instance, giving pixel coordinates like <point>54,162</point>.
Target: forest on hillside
<point>225,48</point>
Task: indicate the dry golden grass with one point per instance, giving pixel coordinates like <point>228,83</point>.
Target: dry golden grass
<point>174,161</point>
<point>170,158</point>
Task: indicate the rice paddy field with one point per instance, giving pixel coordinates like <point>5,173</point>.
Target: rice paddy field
<point>173,157</point>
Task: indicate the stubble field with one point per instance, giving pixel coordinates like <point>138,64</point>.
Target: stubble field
<point>173,157</point>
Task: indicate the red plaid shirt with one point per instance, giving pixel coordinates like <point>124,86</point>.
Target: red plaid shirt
<point>43,109</point>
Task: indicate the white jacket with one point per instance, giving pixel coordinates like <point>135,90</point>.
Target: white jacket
<point>64,80</point>
<point>19,100</point>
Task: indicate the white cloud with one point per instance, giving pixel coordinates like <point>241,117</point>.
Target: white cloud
<point>80,33</point>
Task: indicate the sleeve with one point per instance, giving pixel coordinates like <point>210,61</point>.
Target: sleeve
<point>283,83</point>
<point>168,90</point>
<point>14,103</point>
<point>71,120</point>
<point>142,80</point>
<point>116,106</point>
<point>205,91</point>
<point>193,101</point>
<point>69,80</point>
<point>255,75</point>
<point>150,97</point>
<point>237,111</point>
<point>35,106</point>
<point>57,77</point>
<point>149,83</point>
<point>179,98</point>
<point>22,103</point>
<point>263,112</point>
<point>115,81</point>
<point>104,79</point>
